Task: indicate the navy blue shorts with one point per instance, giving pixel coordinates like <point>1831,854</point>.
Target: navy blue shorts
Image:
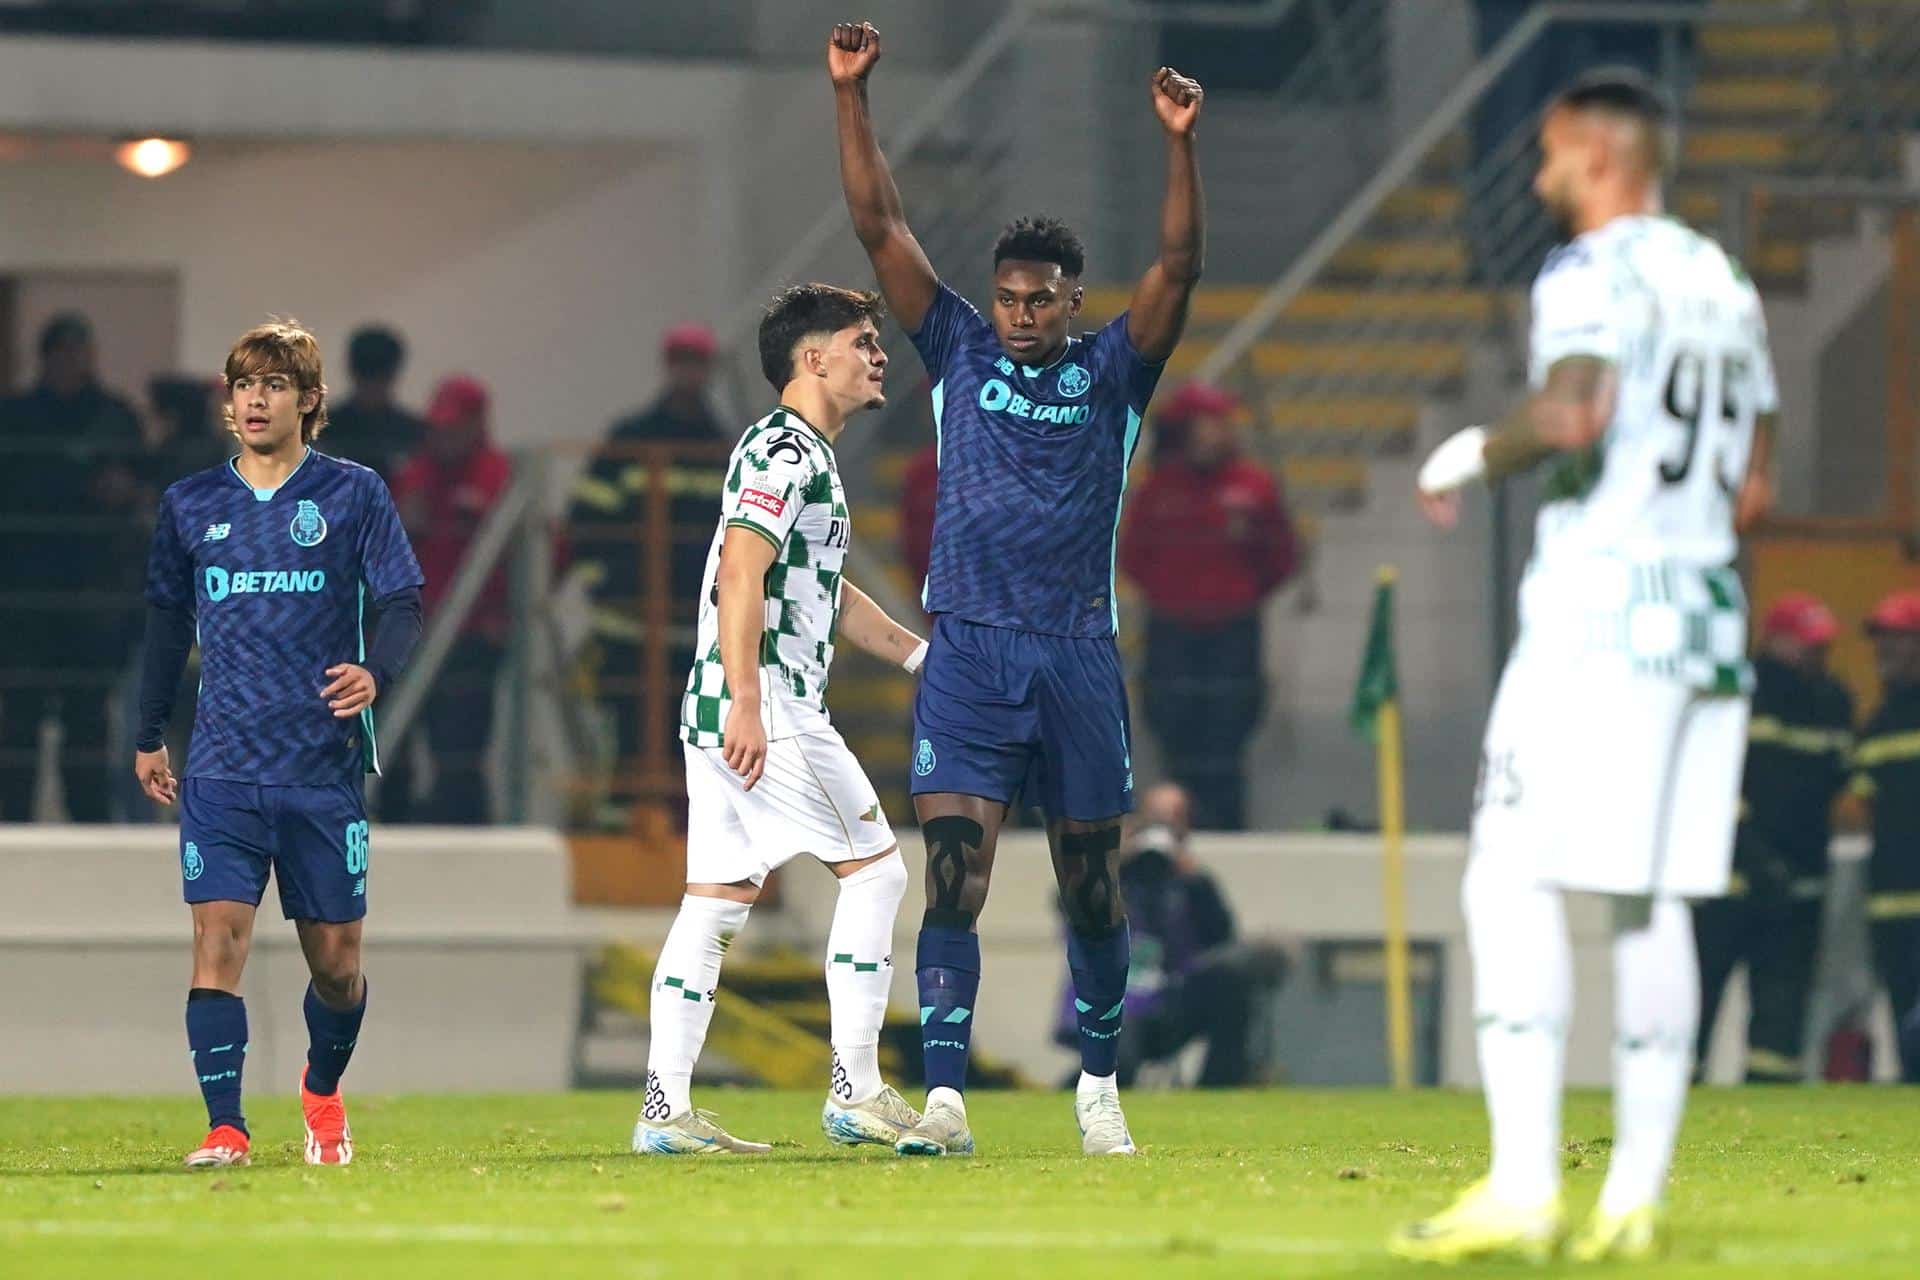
<point>313,839</point>
<point>1018,716</point>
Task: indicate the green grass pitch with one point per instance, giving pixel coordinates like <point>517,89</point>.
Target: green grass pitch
<point>1768,1183</point>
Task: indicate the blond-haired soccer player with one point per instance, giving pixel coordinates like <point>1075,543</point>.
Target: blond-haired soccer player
<point>273,559</point>
<point>768,777</point>
<point>1613,754</point>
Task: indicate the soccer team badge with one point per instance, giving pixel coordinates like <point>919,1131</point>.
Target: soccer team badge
<point>309,526</point>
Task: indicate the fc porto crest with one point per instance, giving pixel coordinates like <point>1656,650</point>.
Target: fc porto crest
<point>923,759</point>
<point>309,527</point>
<point>191,863</point>
<point>1074,381</point>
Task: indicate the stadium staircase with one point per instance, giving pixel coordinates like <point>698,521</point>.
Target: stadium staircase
<point>1388,327</point>
<point>1381,346</point>
<point>1393,339</point>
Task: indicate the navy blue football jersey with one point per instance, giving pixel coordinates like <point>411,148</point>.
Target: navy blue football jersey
<point>279,582</point>
<point>1033,464</point>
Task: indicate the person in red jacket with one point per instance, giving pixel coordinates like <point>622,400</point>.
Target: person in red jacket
<point>918,488</point>
<point>1207,540</point>
<point>443,493</point>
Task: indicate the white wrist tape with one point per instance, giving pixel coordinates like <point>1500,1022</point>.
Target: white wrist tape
<point>1459,460</point>
<point>914,659</point>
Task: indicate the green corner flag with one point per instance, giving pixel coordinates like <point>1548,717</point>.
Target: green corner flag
<point>1379,679</point>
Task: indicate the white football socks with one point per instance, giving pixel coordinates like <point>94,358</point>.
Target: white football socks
<point>1523,1000</point>
<point>860,974</point>
<point>1096,1084</point>
<point>682,1006</point>
<point>1656,986</point>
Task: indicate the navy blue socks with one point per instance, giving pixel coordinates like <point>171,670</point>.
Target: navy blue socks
<point>331,1035</point>
<point>217,1035</point>
<point>948,966</point>
<point>1099,963</point>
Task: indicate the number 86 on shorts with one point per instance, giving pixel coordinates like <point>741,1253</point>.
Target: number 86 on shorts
<point>357,848</point>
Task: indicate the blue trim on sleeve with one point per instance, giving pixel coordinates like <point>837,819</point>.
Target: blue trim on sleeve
<point>1119,504</point>
<point>370,750</point>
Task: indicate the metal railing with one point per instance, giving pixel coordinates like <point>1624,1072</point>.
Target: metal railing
<point>952,154</point>
<point>1502,234</point>
<point>1877,86</point>
<point>1449,115</point>
<point>951,176</point>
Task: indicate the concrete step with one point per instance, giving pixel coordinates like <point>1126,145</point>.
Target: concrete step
<point>1323,483</point>
<point>1409,359</point>
<point>1427,257</point>
<point>1747,95</point>
<point>1367,415</point>
<point>1217,307</point>
<point>1769,43</point>
<point>1735,147</point>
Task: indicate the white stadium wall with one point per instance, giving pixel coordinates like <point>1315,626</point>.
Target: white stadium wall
<point>472,959</point>
<point>470,249</point>
<point>538,221</point>
<point>476,957</point>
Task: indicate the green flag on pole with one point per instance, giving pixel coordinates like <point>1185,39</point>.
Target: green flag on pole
<point>1379,679</point>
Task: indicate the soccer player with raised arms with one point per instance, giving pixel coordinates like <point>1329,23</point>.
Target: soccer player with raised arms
<point>768,776</point>
<point>1022,691</point>
<point>273,559</point>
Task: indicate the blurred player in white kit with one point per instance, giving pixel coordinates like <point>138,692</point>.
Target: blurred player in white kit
<point>1613,754</point>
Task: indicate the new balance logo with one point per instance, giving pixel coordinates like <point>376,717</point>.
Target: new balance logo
<point>216,533</point>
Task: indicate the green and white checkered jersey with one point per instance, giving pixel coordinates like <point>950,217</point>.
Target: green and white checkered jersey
<point>1682,325</point>
<point>1663,619</point>
<point>1634,536</point>
<point>782,484</point>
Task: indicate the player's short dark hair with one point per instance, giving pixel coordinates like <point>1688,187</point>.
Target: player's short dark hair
<point>1628,93</point>
<point>375,351</point>
<point>804,309</point>
<point>1041,239</point>
<point>64,329</point>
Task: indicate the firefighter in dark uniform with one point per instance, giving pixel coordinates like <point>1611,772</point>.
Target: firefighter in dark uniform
<point>607,520</point>
<point>1799,745</point>
<point>1887,773</point>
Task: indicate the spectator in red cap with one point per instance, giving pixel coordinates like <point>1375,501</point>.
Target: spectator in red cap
<point>443,493</point>
<point>1887,773</point>
<point>1799,745</point>
<point>1207,540</point>
<point>608,509</point>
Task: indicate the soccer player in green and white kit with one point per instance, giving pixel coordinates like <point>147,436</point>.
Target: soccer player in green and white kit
<point>767,775</point>
<point>1612,758</point>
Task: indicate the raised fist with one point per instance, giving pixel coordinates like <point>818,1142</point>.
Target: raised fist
<point>1176,100</point>
<point>852,50</point>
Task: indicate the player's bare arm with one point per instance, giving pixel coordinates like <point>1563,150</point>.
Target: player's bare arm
<point>1755,498</point>
<point>745,557</point>
<point>1158,312</point>
<point>907,279</point>
<point>868,628</point>
<point>1569,413</point>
